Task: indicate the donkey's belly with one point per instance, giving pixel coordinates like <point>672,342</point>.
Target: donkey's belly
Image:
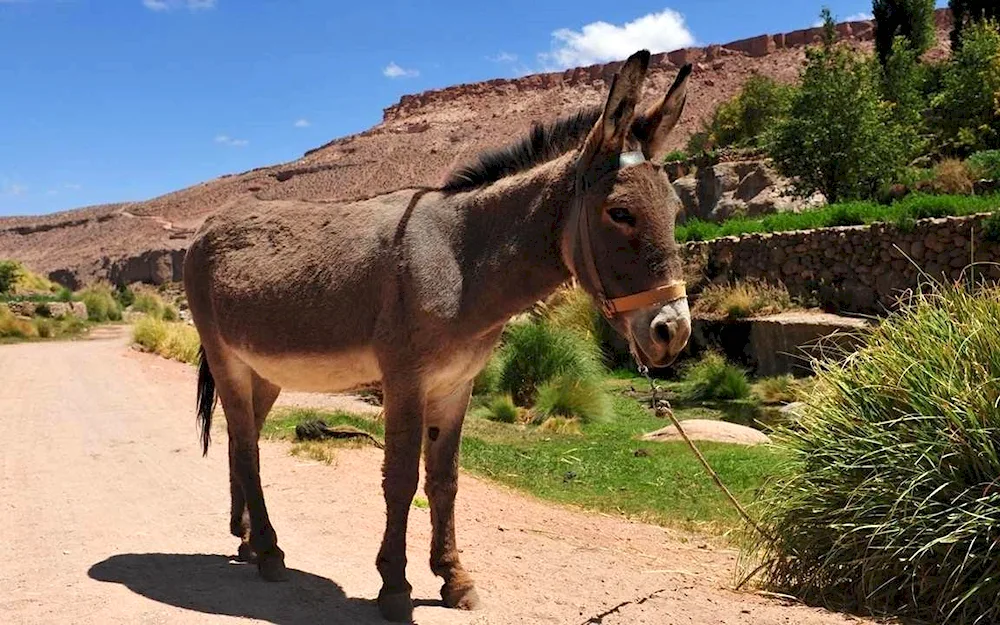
<point>316,373</point>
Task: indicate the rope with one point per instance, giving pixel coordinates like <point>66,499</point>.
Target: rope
<point>701,458</point>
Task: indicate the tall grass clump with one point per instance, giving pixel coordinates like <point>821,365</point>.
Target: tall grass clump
<point>176,341</point>
<point>13,327</point>
<point>712,378</point>
<point>536,352</point>
<point>101,303</point>
<point>742,299</point>
<point>573,398</point>
<point>891,504</point>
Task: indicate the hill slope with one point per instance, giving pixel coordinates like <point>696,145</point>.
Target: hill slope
<point>420,139</point>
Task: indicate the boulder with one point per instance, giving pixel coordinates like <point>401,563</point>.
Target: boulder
<point>708,430</point>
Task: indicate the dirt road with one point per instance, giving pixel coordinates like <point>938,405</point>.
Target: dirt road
<point>110,515</point>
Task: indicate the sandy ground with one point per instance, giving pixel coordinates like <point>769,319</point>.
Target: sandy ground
<point>109,514</point>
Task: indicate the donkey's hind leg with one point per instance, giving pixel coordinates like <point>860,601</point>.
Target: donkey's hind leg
<point>235,383</point>
<point>443,432</point>
<point>264,396</point>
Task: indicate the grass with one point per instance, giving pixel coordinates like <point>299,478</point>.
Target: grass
<point>580,399</point>
<point>712,378</point>
<point>742,299</point>
<point>149,302</point>
<point>501,408</point>
<point>889,503</point>
<point>915,206</point>
<point>13,328</point>
<point>177,341</point>
<point>593,465</point>
<point>101,303</point>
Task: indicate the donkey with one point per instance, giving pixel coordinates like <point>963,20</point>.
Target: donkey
<point>413,288</point>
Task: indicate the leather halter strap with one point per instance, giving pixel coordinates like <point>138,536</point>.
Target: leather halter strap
<point>662,294</point>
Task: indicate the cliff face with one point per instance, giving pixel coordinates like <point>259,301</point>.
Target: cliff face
<point>420,139</point>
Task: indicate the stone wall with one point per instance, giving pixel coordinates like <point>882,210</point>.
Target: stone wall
<point>856,269</point>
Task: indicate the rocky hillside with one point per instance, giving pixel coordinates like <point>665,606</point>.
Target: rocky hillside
<point>419,140</point>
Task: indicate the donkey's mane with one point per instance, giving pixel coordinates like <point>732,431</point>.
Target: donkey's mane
<point>543,143</point>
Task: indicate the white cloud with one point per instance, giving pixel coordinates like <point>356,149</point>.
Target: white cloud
<point>600,42</point>
<point>231,142</point>
<point>169,5</point>
<point>302,123</point>
<point>859,17</point>
<point>395,71</point>
<point>503,57</point>
<point>73,186</point>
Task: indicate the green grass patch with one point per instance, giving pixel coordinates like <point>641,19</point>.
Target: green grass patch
<point>915,206</point>
<point>174,340</point>
<point>600,466</point>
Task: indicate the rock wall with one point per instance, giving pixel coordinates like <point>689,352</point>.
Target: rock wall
<point>150,267</point>
<point>854,269</point>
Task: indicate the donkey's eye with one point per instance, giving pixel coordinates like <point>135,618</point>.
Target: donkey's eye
<point>622,216</point>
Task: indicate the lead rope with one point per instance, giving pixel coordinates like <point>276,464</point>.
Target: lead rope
<point>655,391</point>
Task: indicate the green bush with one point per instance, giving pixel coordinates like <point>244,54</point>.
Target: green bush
<point>967,12</point>
<point>10,271</point>
<point>675,157</point>
<point>985,164</point>
<point>745,120</point>
<point>712,378</point>
<point>101,303</point>
<point>501,409</point>
<point>45,327</point>
<point>891,503</point>
<point>148,302</point>
<point>967,111</point>
<point>536,352</point>
<point>177,341</point>
<point>573,398</point>
<point>838,138</point>
<point>904,82</point>
<point>170,313</point>
<point>991,228</point>
<point>125,296</point>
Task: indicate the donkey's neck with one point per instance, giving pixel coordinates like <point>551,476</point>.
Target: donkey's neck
<point>510,242</point>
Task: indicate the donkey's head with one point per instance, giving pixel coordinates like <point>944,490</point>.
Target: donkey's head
<point>619,242</point>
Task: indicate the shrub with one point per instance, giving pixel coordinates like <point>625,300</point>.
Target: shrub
<point>744,120</point>
<point>952,176</point>
<point>675,157</point>
<point>10,271</point>
<point>148,302</point>
<point>12,327</point>
<point>46,328</point>
<point>535,352</point>
<point>838,137</point>
<point>742,299</point>
<point>904,81</point>
<point>125,296</point>
<point>560,425</point>
<point>967,115</point>
<point>991,228</point>
<point>581,399</point>
<point>501,408</point>
<point>170,313</point>
<point>177,341</point>
<point>985,164</point>
<point>780,389</point>
<point>891,502</point>
<point>966,12</point>
<point>712,378</point>
<point>101,303</point>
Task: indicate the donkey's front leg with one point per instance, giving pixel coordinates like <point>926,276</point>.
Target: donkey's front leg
<point>443,421</point>
<point>403,428</point>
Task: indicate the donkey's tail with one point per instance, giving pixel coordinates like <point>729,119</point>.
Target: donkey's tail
<point>206,400</point>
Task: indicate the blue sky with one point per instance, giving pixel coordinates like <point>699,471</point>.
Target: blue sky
<point>115,100</point>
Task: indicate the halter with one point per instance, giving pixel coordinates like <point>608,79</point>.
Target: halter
<point>611,307</point>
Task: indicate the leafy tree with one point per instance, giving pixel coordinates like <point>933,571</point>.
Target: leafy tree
<point>911,19</point>
<point>903,87</point>
<point>967,110</point>
<point>744,120</point>
<point>967,12</point>
<point>839,137</point>
<point>10,271</point>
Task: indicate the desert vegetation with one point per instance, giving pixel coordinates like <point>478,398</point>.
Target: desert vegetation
<point>157,328</point>
<point>33,307</point>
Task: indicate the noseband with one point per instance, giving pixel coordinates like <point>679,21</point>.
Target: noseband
<point>610,307</point>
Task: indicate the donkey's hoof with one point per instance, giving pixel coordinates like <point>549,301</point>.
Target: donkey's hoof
<point>272,567</point>
<point>396,607</point>
<point>460,595</point>
<point>246,553</point>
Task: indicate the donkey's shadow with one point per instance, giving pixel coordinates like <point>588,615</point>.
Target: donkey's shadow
<point>210,584</point>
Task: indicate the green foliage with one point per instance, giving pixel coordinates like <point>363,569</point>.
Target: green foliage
<point>838,138</point>
<point>501,408</point>
<point>101,303</point>
<point>745,120</point>
<point>913,206</point>
<point>912,20</point>
<point>986,164</point>
<point>967,109</point>
<point>170,313</point>
<point>904,82</point>
<point>891,503</point>
<point>829,27</point>
<point>968,12</point>
<point>712,378</point>
<point>148,302</point>
<point>991,228</point>
<point>534,353</point>
<point>125,296</point>
<point>742,299</point>
<point>574,398</point>
<point>675,156</point>
<point>177,341</point>
<point>10,271</point>
<point>487,381</point>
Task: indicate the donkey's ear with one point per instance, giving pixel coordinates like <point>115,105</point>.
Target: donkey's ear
<point>614,124</point>
<point>653,127</point>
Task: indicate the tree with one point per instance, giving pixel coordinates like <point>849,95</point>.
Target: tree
<point>839,137</point>
<point>967,110</point>
<point>903,83</point>
<point>744,120</point>
<point>967,12</point>
<point>10,271</point>
<point>911,19</point>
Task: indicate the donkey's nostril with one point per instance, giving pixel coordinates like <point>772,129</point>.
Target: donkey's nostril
<point>663,332</point>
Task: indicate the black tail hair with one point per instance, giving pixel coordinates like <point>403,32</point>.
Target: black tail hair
<point>205,401</point>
